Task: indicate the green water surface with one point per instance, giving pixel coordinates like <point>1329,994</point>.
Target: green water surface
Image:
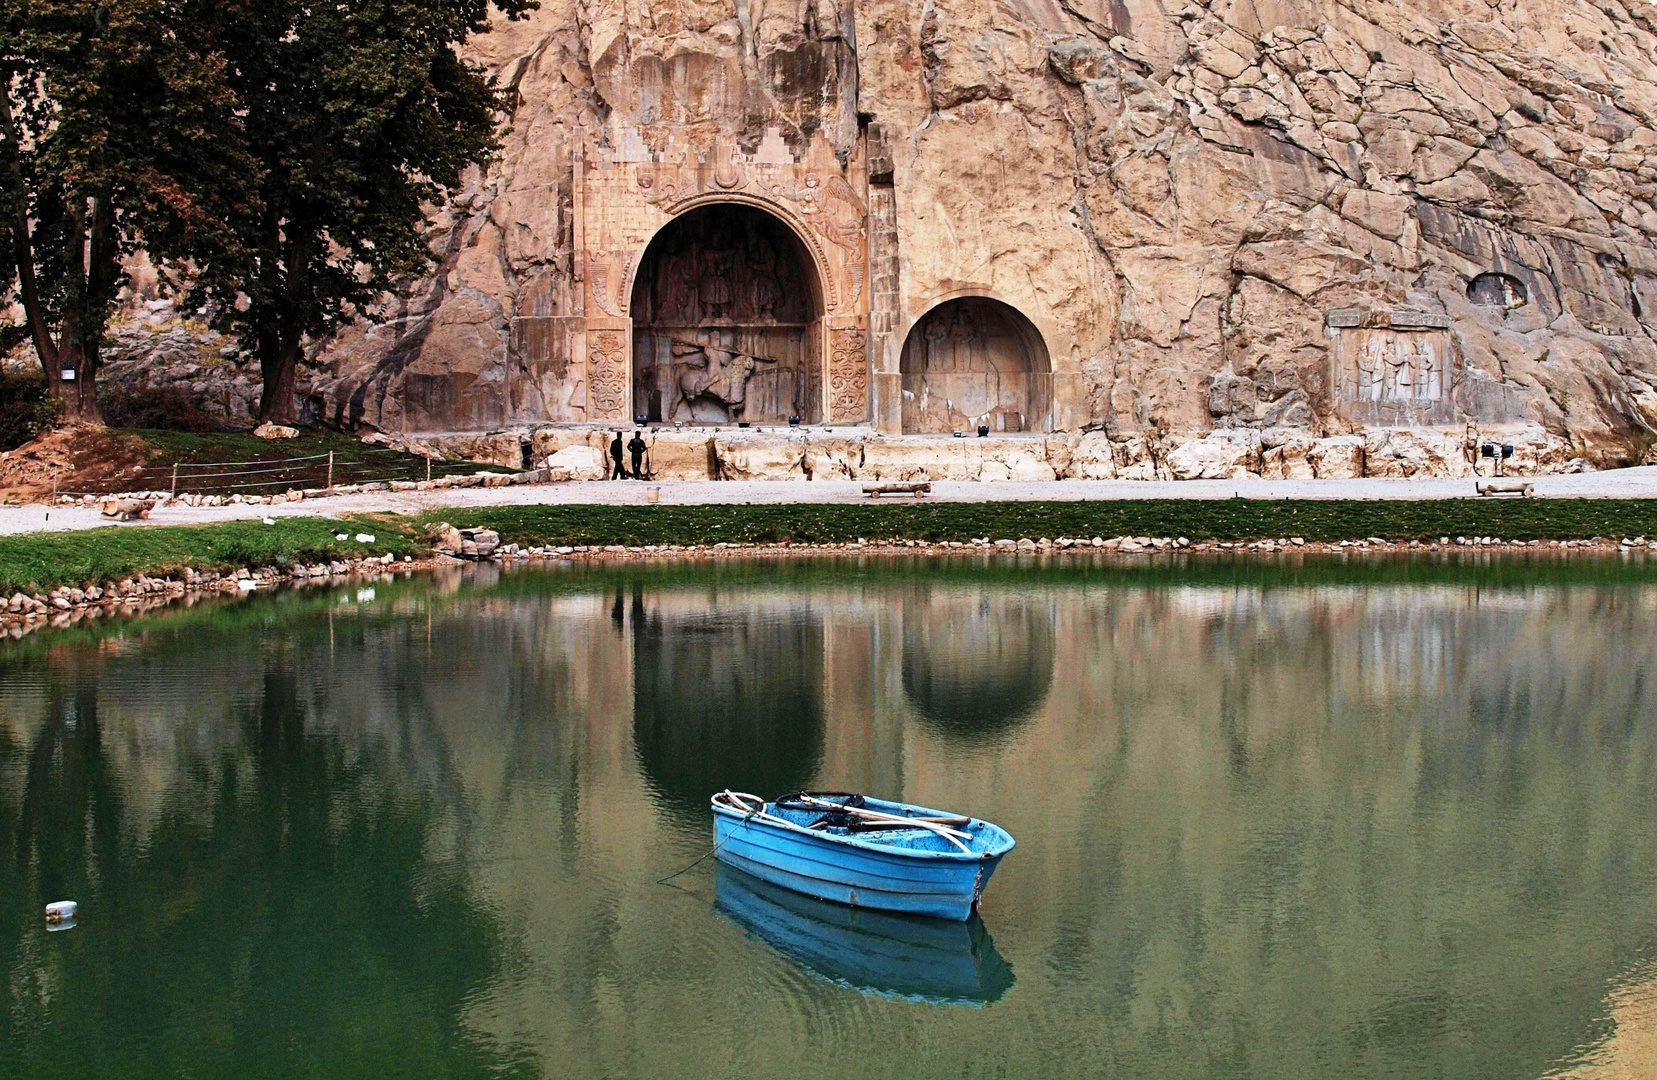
<point>1309,818</point>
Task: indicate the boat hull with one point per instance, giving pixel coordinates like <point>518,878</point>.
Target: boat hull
<point>860,875</point>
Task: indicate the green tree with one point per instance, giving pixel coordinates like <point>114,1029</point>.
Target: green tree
<point>360,115</point>
<point>118,123</point>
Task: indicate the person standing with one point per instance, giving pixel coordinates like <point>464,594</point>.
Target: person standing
<point>617,470</point>
<point>636,447</point>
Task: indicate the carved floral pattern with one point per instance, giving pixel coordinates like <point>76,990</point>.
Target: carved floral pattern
<point>606,376</point>
<point>848,376</point>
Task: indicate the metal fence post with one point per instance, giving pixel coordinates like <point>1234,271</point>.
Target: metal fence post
<point>330,470</point>
<point>175,479</point>
<point>428,468</point>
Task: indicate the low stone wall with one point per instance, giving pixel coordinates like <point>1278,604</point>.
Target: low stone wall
<point>854,454</point>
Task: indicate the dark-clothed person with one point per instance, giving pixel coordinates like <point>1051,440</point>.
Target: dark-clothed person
<point>617,470</point>
<point>636,447</point>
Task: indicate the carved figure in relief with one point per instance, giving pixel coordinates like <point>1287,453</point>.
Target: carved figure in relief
<point>1396,369</point>
<point>1429,383</point>
<point>937,329</point>
<point>716,282</point>
<point>676,289</point>
<point>717,371</point>
<point>762,283</point>
<point>1370,365</point>
<point>964,334</point>
<point>831,207</point>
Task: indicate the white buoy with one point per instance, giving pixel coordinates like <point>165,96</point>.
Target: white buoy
<point>60,911</point>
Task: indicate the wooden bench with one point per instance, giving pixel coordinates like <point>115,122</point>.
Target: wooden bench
<point>1522,488</point>
<point>917,488</point>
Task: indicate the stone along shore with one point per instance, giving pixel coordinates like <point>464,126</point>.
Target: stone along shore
<point>25,613</point>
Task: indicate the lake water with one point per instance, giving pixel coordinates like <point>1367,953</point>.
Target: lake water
<point>1382,819</point>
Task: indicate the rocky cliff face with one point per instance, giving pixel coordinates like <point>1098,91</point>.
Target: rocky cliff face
<point>1253,234</point>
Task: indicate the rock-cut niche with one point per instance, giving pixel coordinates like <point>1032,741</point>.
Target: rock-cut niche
<point>1497,290</point>
<point>727,312</point>
<point>975,362</point>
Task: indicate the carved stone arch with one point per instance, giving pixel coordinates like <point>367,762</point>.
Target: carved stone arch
<point>728,305</point>
<point>1043,331</point>
<point>828,288</point>
<point>974,361</point>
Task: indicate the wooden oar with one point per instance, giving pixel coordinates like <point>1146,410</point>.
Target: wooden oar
<point>954,836</point>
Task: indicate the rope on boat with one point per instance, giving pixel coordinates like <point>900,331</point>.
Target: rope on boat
<point>733,800</point>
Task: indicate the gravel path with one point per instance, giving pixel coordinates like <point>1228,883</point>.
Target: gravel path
<point>1616,484</point>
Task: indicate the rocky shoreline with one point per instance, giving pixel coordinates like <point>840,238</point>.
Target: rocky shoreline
<point>24,613</point>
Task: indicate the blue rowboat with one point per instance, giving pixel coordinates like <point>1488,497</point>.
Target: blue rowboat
<point>865,852</point>
<point>872,952</point>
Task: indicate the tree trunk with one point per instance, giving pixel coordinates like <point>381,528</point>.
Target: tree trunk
<point>280,346</point>
<point>73,383</point>
<point>278,367</point>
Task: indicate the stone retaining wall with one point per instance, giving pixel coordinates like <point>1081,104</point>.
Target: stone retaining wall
<point>859,454</point>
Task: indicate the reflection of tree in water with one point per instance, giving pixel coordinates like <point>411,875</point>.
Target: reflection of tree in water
<point>726,699</point>
<point>281,917</point>
<point>976,665</point>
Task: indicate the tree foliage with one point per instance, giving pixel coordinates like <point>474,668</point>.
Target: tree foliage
<point>359,115</point>
<point>118,127</point>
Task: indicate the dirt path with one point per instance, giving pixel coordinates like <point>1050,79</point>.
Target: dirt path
<point>1620,483</point>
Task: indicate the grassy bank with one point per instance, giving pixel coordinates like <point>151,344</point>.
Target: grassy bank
<point>38,561</point>
<point>1198,519</point>
<point>35,562</point>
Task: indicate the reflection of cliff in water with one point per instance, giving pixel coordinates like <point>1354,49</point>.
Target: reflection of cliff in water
<point>976,665</point>
<point>726,698</point>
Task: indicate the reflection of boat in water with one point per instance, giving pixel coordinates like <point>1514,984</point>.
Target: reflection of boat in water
<point>920,959</point>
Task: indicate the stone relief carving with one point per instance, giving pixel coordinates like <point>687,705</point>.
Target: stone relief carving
<point>712,377</point>
<point>726,312</point>
<point>974,361</point>
<point>1393,368</point>
<point>1391,377</point>
<point>832,209</point>
<point>723,266</point>
<point>606,375</point>
<point>813,196</point>
<point>726,324</point>
<point>848,376</point>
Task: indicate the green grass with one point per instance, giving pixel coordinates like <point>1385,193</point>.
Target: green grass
<point>1198,519</point>
<point>35,562</point>
<point>38,561</point>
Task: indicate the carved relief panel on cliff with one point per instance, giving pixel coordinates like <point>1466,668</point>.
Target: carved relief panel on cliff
<point>1393,369</point>
<point>739,289</point>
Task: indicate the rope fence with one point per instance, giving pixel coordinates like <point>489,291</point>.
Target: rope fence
<point>328,470</point>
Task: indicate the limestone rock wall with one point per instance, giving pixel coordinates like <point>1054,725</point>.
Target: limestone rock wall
<point>1255,235</point>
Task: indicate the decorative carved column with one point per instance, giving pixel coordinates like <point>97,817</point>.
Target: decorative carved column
<point>884,304</point>
<point>848,374</point>
<point>609,365</point>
